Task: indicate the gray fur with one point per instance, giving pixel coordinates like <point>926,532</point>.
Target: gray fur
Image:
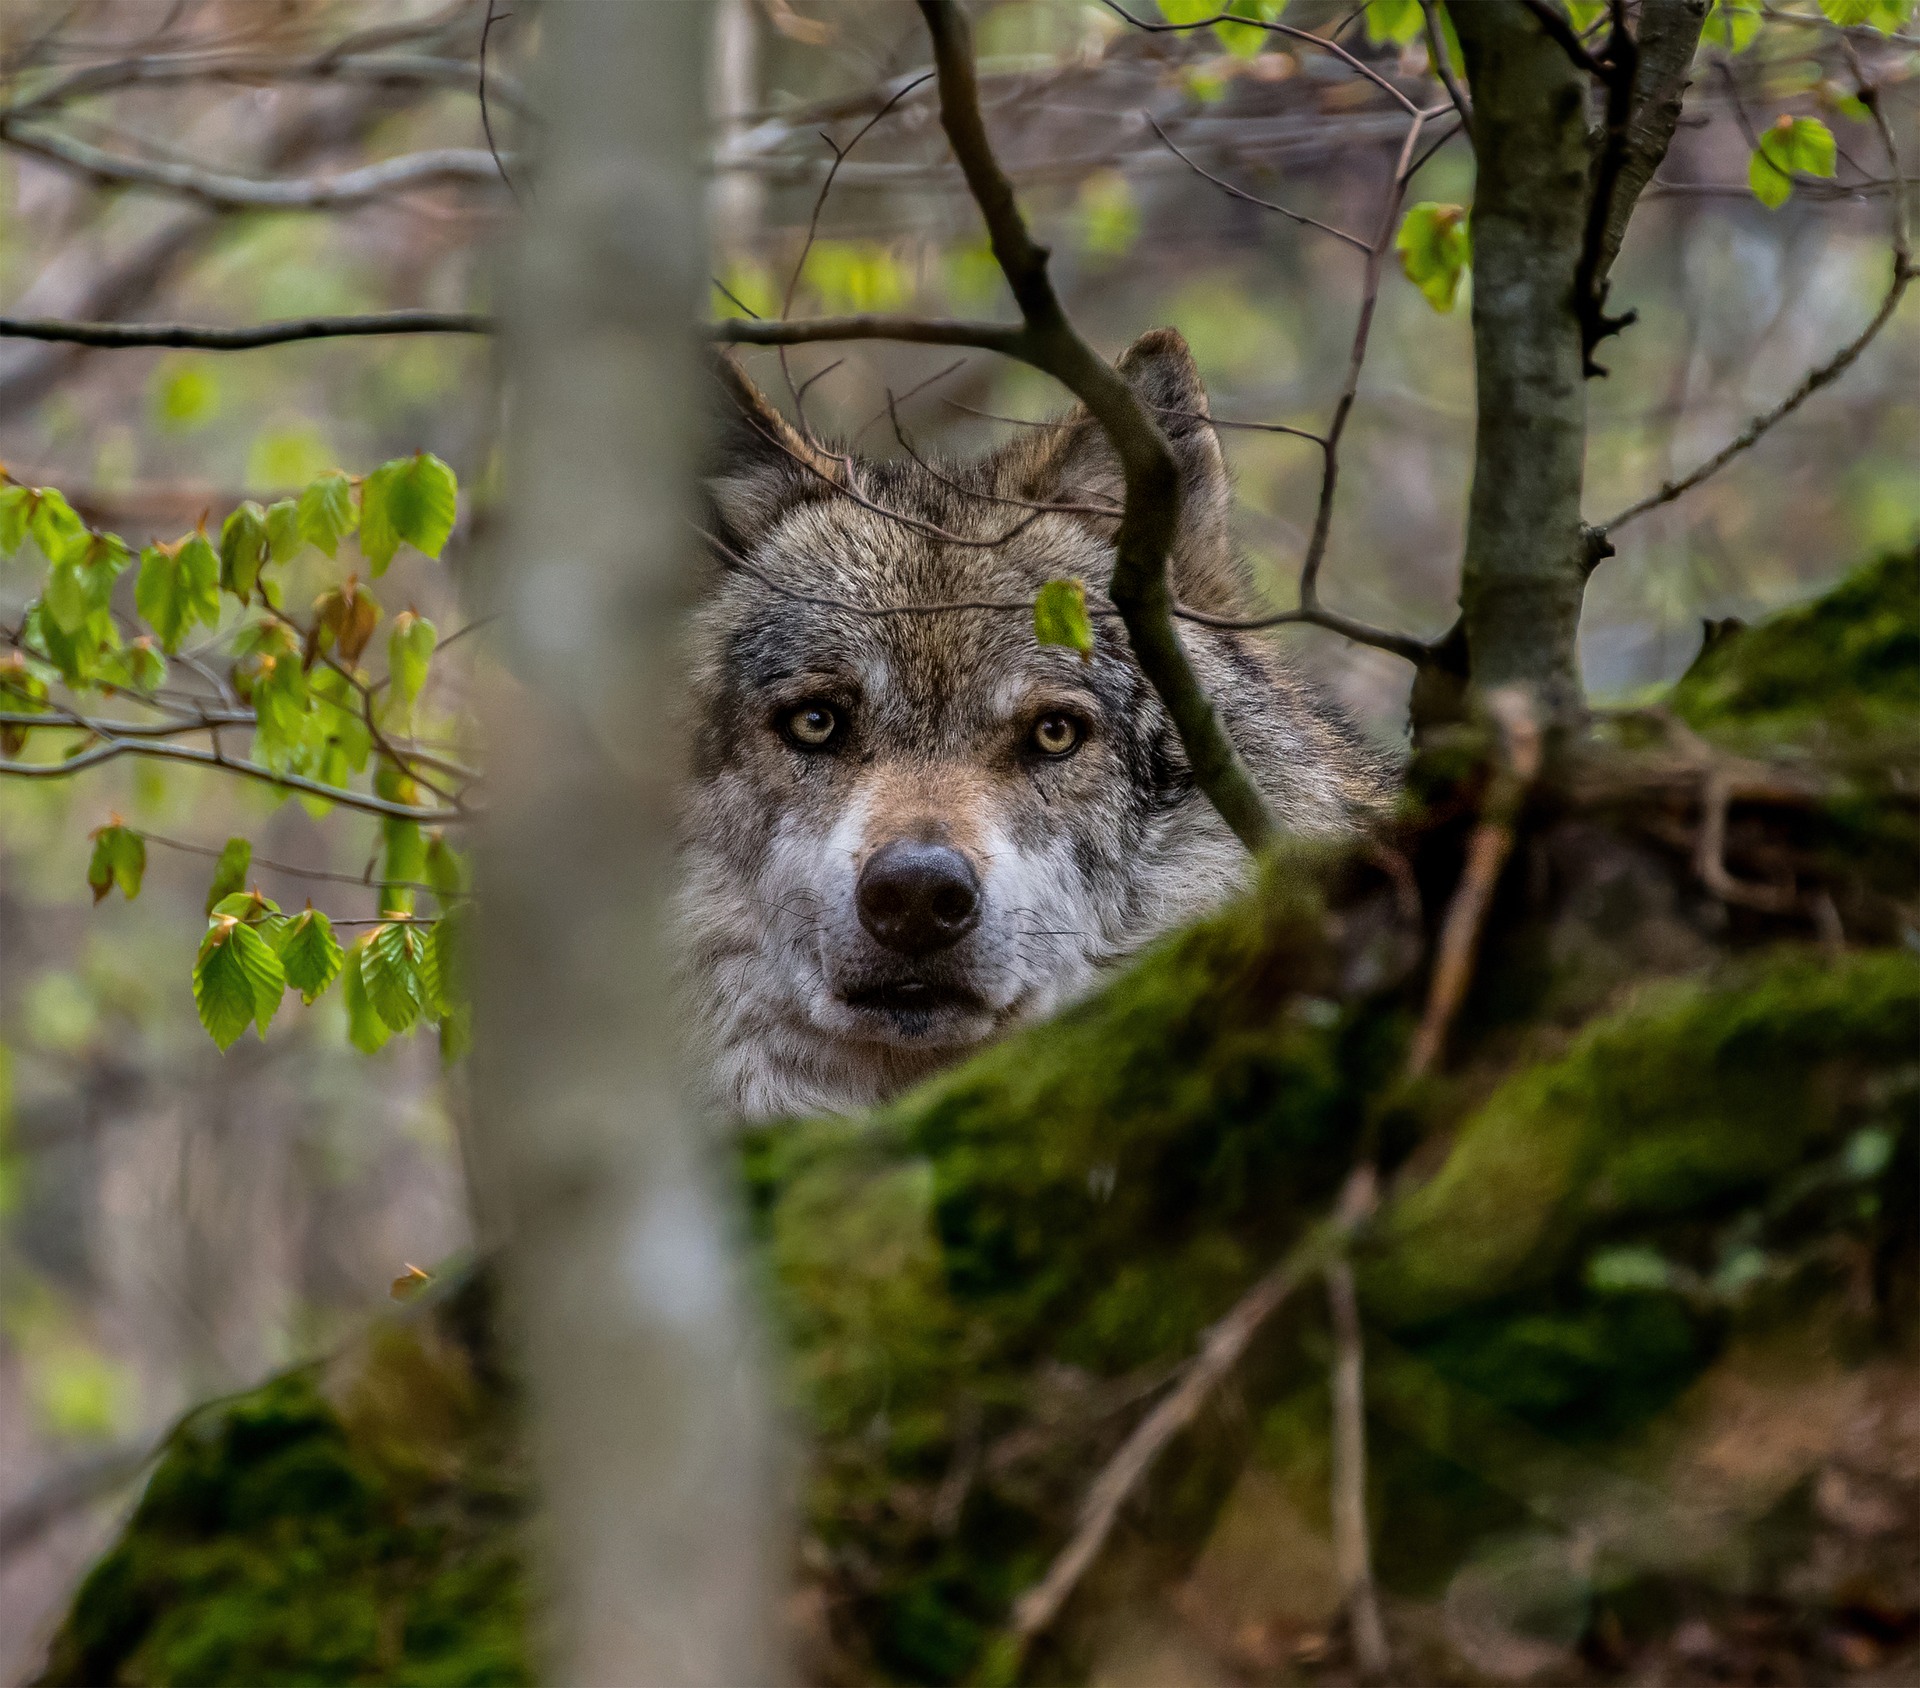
<point>1082,860</point>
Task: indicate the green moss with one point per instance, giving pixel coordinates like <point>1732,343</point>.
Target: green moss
<point>1846,666</point>
<point>293,1536</point>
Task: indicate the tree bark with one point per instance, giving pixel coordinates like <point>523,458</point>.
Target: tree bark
<point>659,1543</point>
<point>1526,561</point>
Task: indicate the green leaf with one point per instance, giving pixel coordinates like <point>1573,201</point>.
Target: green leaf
<point>280,710</point>
<point>1849,14</point>
<point>1628,1268</point>
<point>22,692</point>
<point>250,907</point>
<point>1794,145</point>
<point>138,668</point>
<point>447,872</point>
<point>449,957</point>
<point>283,531</point>
<point>1435,244</point>
<point>237,980</point>
<point>410,647</point>
<point>326,511</point>
<point>1398,21</point>
<point>119,858</point>
<point>1187,11</point>
<point>1732,24</point>
<point>404,863</point>
<point>16,505</point>
<point>54,526</point>
<point>1242,40</point>
<point>81,583</point>
<point>366,1031</point>
<point>243,549</point>
<point>179,585</point>
<point>1060,617</point>
<point>229,872</point>
<point>395,967</point>
<point>1109,217</point>
<point>412,501</point>
<point>310,953</point>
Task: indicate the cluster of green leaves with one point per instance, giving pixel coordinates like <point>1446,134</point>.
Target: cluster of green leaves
<point>315,712</point>
<point>1793,146</point>
<point>1435,244</point>
<point>401,974</point>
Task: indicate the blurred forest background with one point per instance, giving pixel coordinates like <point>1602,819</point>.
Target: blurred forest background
<point>175,1224</point>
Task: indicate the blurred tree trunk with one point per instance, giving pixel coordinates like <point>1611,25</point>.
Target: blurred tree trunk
<point>659,1539</point>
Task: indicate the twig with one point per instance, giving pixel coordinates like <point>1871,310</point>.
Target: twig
<point>1443,66</point>
<point>1487,850</point>
<point>188,336</point>
<point>364,881</point>
<point>1300,217</point>
<point>1007,338</point>
<point>1561,33</point>
<point>1220,1351</point>
<point>486,113</point>
<point>1358,66</point>
<point>1352,1552</point>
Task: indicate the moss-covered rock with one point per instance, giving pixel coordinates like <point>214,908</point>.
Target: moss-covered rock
<point>348,1523</point>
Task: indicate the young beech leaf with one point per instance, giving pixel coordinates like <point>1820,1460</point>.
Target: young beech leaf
<point>243,549</point>
<point>448,944</point>
<point>237,979</point>
<point>1398,21</point>
<point>326,511</point>
<point>410,647</point>
<point>403,863</point>
<point>366,1031</point>
<point>22,692</point>
<point>394,968</point>
<point>447,872</point>
<point>54,526</point>
<point>119,858</point>
<point>229,872</point>
<point>138,668</point>
<point>283,531</point>
<point>16,505</point>
<point>1794,144</point>
<point>179,584</point>
<point>344,619</point>
<point>1849,14</point>
<point>248,906</point>
<point>411,501</point>
<point>310,953</point>
<point>1732,24</point>
<point>1060,617</point>
<point>1436,250</point>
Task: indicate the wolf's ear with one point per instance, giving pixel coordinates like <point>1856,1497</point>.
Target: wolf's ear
<point>1065,463</point>
<point>759,465</point>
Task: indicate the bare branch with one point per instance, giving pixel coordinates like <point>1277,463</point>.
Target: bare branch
<point>113,749</point>
<point>1825,375</point>
<point>1358,66</point>
<point>193,337</point>
<point>366,881</point>
<point>486,105</point>
<point>256,69</point>
<point>1352,1554</point>
<point>1443,67</point>
<point>1252,199</point>
<point>1009,339</point>
<point>231,193</point>
<point>1220,1351</point>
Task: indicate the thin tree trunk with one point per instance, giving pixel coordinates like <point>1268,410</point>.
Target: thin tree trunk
<point>1526,565</point>
<point>659,1539</point>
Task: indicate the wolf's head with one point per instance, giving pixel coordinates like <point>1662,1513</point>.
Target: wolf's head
<point>911,828</point>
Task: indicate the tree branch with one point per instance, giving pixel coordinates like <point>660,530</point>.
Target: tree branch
<point>235,193</point>
<point>1352,1553</point>
<point>1009,339</point>
<point>1252,199</point>
<point>113,749</point>
<point>189,336</point>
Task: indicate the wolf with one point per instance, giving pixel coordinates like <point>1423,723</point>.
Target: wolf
<point>910,825</point>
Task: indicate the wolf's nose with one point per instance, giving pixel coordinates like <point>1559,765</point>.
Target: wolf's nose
<point>918,898</point>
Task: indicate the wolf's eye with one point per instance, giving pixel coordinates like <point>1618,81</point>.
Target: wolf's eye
<point>1056,734</point>
<point>811,727</point>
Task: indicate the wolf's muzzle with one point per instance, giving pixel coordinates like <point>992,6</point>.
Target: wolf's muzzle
<point>918,899</point>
